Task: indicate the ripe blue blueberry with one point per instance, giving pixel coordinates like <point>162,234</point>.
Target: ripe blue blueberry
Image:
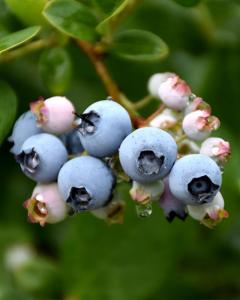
<point>103,126</point>
<point>86,183</point>
<point>72,142</point>
<point>195,179</point>
<point>41,157</point>
<point>148,154</point>
<point>24,127</point>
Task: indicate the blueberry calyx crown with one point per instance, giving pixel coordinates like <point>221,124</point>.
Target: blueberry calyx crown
<point>172,214</point>
<point>149,163</point>
<point>87,122</point>
<point>202,188</point>
<point>29,160</point>
<point>79,199</point>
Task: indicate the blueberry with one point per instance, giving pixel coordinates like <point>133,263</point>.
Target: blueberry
<point>195,179</point>
<point>85,183</point>
<point>148,154</point>
<point>41,157</point>
<point>24,127</point>
<point>72,142</point>
<point>103,126</point>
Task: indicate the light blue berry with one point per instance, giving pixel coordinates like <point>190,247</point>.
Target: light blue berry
<point>103,126</point>
<point>41,157</point>
<point>72,142</point>
<point>148,154</point>
<point>24,127</point>
<point>85,183</point>
<point>195,179</point>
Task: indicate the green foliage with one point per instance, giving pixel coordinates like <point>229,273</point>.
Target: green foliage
<point>109,23</point>
<point>55,68</point>
<point>139,45</point>
<point>17,38</point>
<point>71,18</point>
<point>28,11</point>
<point>107,6</point>
<point>37,276</point>
<point>83,258</point>
<point>127,262</point>
<point>8,108</point>
<point>188,2</point>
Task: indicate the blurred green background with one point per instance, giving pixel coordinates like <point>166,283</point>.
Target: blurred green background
<point>83,258</point>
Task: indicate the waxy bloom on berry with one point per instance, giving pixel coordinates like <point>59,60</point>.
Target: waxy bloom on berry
<point>199,124</point>
<point>209,214</point>
<point>216,148</point>
<point>175,93</point>
<point>46,205</point>
<point>156,80</point>
<point>24,128</point>
<point>54,115</point>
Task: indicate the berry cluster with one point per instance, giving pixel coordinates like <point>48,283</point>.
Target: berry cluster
<point>77,160</point>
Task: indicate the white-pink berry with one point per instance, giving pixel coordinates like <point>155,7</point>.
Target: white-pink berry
<point>46,205</point>
<point>156,80</point>
<point>175,93</point>
<point>54,115</point>
<point>199,124</point>
<point>166,120</point>
<point>146,192</point>
<point>210,213</point>
<point>216,148</point>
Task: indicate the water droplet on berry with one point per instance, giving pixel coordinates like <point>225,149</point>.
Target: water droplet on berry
<point>144,210</point>
<point>221,168</point>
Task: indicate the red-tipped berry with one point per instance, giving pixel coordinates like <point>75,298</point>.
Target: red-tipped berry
<point>175,93</point>
<point>199,124</point>
<point>46,205</point>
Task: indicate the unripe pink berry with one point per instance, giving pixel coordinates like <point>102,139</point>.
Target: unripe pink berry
<point>166,120</point>
<point>210,213</point>
<point>171,206</point>
<point>46,205</point>
<point>143,193</point>
<point>54,115</point>
<point>216,148</point>
<point>156,80</point>
<point>199,124</point>
<point>175,93</point>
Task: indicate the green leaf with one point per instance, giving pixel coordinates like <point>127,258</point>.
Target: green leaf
<point>107,6</point>
<point>55,68</point>
<point>71,18</point>
<point>187,2</point>
<point>8,108</point>
<point>17,38</point>
<point>28,11</point>
<point>108,23</point>
<point>139,45</point>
